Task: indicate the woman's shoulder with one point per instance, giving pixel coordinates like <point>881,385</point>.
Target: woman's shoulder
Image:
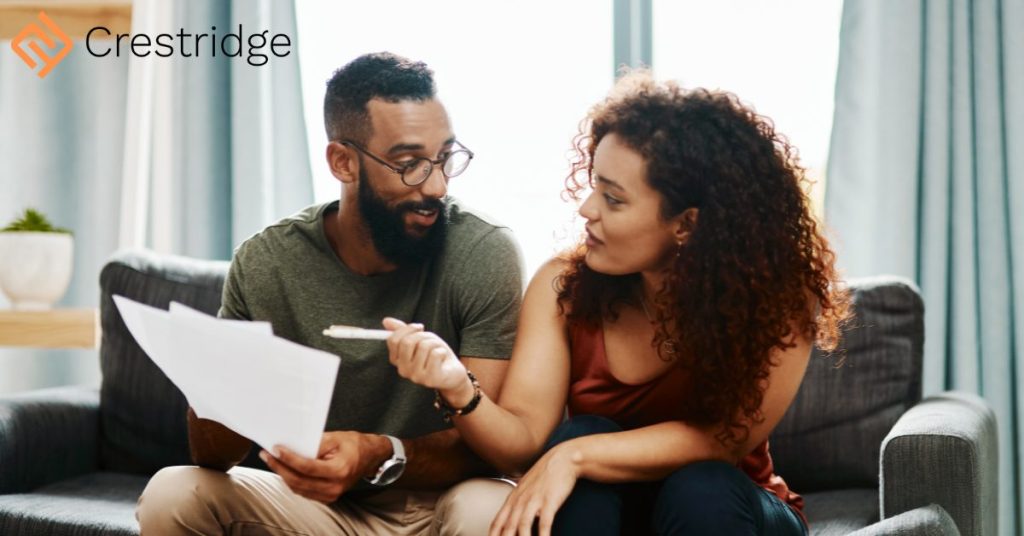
<point>544,286</point>
<point>548,274</point>
<point>554,266</point>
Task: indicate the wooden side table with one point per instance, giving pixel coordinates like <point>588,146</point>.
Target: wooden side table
<point>57,328</point>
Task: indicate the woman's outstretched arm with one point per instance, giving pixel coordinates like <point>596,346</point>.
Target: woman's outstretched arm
<point>511,435</point>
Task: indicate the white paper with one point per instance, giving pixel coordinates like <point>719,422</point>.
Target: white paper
<point>266,388</point>
<point>257,326</point>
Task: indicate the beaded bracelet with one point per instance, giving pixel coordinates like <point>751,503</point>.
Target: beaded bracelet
<point>447,412</point>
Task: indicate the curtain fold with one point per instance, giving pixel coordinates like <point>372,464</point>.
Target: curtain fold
<point>227,139</point>
<point>926,180</point>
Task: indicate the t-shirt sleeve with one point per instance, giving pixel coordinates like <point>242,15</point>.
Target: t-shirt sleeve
<point>490,293</point>
<point>232,303</point>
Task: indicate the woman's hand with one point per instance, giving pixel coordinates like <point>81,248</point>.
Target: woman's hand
<point>539,495</point>
<point>424,358</point>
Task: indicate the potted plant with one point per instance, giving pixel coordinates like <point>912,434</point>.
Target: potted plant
<point>35,262</point>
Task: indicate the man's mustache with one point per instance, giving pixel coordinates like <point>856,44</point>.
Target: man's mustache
<point>426,204</point>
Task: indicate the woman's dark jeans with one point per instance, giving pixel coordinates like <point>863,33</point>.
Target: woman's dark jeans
<point>709,497</point>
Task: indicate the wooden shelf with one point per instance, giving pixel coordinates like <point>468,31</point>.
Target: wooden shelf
<point>74,17</point>
<point>58,328</point>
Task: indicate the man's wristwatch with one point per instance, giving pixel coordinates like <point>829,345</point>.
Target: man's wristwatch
<point>393,467</point>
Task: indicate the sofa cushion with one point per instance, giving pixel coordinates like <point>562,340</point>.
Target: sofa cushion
<point>90,505</point>
<point>848,402</point>
<point>840,512</point>
<point>142,414</point>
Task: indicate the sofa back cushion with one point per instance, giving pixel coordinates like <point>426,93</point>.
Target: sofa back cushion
<point>831,435</point>
<point>142,414</point>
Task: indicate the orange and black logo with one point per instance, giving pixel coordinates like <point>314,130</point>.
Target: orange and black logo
<point>58,44</point>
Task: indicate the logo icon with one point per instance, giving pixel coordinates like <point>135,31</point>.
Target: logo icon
<point>33,33</point>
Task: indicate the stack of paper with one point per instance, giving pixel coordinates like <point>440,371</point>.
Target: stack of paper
<point>268,389</point>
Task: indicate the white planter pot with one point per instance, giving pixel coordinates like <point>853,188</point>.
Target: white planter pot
<point>35,268</point>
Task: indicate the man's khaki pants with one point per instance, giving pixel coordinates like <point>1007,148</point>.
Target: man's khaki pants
<point>244,501</point>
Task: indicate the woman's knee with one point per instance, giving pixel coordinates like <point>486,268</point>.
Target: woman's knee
<point>579,426</point>
<point>707,491</point>
<point>698,478</point>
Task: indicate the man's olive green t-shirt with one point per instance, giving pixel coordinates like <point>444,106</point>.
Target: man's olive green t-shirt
<point>469,294</point>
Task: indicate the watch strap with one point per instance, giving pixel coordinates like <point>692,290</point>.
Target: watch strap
<point>398,450</point>
<point>397,458</point>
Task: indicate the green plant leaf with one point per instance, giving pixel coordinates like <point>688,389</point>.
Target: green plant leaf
<point>33,220</point>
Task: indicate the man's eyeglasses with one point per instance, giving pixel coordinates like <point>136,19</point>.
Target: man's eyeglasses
<point>419,169</point>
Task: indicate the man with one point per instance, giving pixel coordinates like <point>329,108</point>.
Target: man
<point>394,246</point>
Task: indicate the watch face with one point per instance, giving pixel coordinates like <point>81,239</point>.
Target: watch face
<point>390,472</point>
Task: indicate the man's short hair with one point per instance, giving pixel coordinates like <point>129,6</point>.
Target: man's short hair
<point>381,75</point>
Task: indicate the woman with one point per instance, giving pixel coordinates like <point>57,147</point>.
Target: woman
<point>677,333</point>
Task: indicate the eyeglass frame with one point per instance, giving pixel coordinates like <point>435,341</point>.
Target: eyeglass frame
<point>402,170</point>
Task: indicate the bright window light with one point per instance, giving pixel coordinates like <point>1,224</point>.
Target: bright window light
<point>780,57</point>
<point>516,77</point>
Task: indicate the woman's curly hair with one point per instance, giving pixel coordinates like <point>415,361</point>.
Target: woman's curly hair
<point>755,265</point>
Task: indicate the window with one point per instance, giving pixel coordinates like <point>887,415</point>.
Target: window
<point>780,57</point>
<point>516,78</point>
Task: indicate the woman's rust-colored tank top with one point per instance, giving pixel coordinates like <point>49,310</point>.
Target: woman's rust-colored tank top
<point>594,391</point>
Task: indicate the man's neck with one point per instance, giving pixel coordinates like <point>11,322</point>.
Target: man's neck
<point>349,237</point>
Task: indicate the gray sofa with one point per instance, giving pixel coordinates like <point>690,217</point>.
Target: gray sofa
<point>858,442</point>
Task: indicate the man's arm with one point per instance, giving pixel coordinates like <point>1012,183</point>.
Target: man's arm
<point>213,445</point>
<point>433,461</point>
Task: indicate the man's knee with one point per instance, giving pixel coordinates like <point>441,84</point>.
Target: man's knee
<point>469,507</point>
<point>579,426</point>
<point>175,495</point>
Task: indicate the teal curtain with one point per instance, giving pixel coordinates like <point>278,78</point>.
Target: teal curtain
<point>189,176</point>
<point>926,180</point>
<point>234,158</point>
<point>231,157</point>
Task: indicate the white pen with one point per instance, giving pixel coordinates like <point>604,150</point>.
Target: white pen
<point>352,332</point>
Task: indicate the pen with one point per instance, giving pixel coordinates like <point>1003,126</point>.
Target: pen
<point>351,332</point>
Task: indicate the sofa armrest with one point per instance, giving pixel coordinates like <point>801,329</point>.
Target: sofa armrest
<point>929,520</point>
<point>944,450</point>
<point>46,436</point>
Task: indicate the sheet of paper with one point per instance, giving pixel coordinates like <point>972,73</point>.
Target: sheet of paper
<point>257,326</point>
<point>266,388</point>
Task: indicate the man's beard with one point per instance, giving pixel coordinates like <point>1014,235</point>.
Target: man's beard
<point>387,226</point>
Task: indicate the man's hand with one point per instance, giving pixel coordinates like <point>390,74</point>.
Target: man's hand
<point>344,458</point>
